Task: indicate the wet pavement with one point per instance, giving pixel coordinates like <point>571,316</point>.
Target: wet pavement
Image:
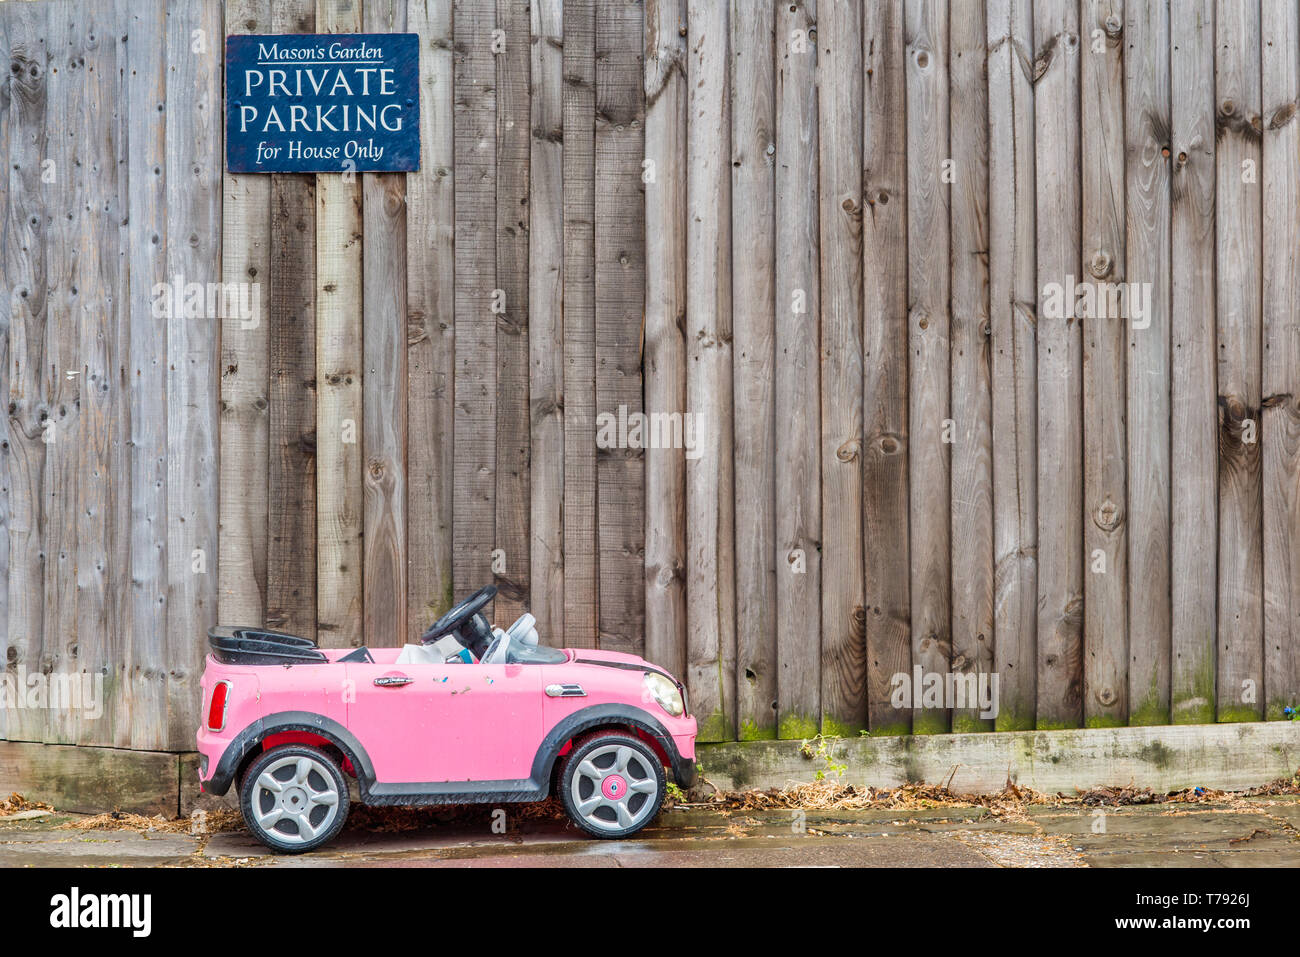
<point>1247,833</point>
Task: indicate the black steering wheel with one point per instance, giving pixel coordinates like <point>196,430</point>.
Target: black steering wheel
<point>460,620</point>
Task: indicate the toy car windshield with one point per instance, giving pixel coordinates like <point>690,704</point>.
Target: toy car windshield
<point>519,646</point>
<point>515,652</point>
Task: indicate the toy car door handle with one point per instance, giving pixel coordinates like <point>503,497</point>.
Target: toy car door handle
<point>392,681</point>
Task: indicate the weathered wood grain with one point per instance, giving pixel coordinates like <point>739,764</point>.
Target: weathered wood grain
<point>337,297</point>
<point>474,507</point>
<point>546,320</point>
<point>1238,204</point>
<point>753,129</point>
<point>8,294</point>
<point>1013,304</point>
<point>1147,130</point>
<point>291,484</point>
<point>146,658</point>
<point>579,115</point>
<point>1105,530</point>
<point>710,510</point>
<point>1193,402</point>
<point>1050,761</point>
<point>1280,90</point>
<point>840,145</point>
<point>431,308</point>
<point>1060,368</point>
<point>86,780</point>
<point>101,284</point>
<point>245,345</point>
<point>65,195</point>
<point>929,325</point>
<point>619,237</point>
<point>664,366</point>
<point>384,385</point>
<point>885,392</point>
<point>972,449</point>
<point>797,374</point>
<point>194,163</point>
<point>513,438</point>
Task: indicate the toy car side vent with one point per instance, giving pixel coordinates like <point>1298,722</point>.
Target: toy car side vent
<point>254,646</point>
<point>565,691</point>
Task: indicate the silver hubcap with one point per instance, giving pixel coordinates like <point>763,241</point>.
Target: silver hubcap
<point>613,787</point>
<point>295,799</point>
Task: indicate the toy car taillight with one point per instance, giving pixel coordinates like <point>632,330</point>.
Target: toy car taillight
<point>217,709</point>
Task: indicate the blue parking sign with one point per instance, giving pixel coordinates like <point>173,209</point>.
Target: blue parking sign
<point>323,103</point>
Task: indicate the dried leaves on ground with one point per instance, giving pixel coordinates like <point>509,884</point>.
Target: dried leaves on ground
<point>16,804</point>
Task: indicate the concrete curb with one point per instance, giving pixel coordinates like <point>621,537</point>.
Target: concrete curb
<point>1163,758</point>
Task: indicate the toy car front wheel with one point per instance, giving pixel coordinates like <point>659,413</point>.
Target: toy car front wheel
<point>612,784</point>
<point>294,799</point>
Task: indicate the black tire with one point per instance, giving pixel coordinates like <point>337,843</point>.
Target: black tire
<point>258,803</point>
<point>643,770</point>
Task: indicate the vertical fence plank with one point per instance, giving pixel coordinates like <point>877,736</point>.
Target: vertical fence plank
<point>665,329</point>
<point>710,519</point>
<point>194,162</point>
<point>8,297</point>
<point>64,192</point>
<point>245,345</point>
<point>118,545</point>
<point>1013,303</point>
<point>1238,225</point>
<point>620,299</point>
<point>511,539</point>
<point>291,533</point>
<point>1194,400</point>
<point>1147,130</point>
<point>840,141</point>
<point>1060,379</point>
<point>754,254</point>
<point>972,450</point>
<point>1105,533</point>
<point>384,383</point>
<point>887,562</point>
<point>474,508</point>
<point>98,319</point>
<point>431,306</point>
<point>338,280</point>
<point>928,285</point>
<point>546,320</point>
<point>797,374</point>
<point>1280,49</point>
<point>580,540</point>
<point>147,654</point>
<point>25,275</point>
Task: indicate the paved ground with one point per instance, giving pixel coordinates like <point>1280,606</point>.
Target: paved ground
<point>1258,832</point>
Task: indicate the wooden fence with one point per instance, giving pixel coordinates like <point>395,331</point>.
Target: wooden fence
<point>838,241</point>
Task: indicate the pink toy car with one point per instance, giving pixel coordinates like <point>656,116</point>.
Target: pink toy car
<point>473,714</point>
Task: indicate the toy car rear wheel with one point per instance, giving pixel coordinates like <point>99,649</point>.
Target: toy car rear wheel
<point>294,798</point>
<point>612,784</point>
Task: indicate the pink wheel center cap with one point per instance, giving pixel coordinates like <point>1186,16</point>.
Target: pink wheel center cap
<point>614,787</point>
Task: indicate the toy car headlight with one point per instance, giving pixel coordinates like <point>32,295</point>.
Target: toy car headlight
<point>665,694</point>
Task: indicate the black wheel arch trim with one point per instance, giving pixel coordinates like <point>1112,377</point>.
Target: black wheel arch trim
<point>248,741</point>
